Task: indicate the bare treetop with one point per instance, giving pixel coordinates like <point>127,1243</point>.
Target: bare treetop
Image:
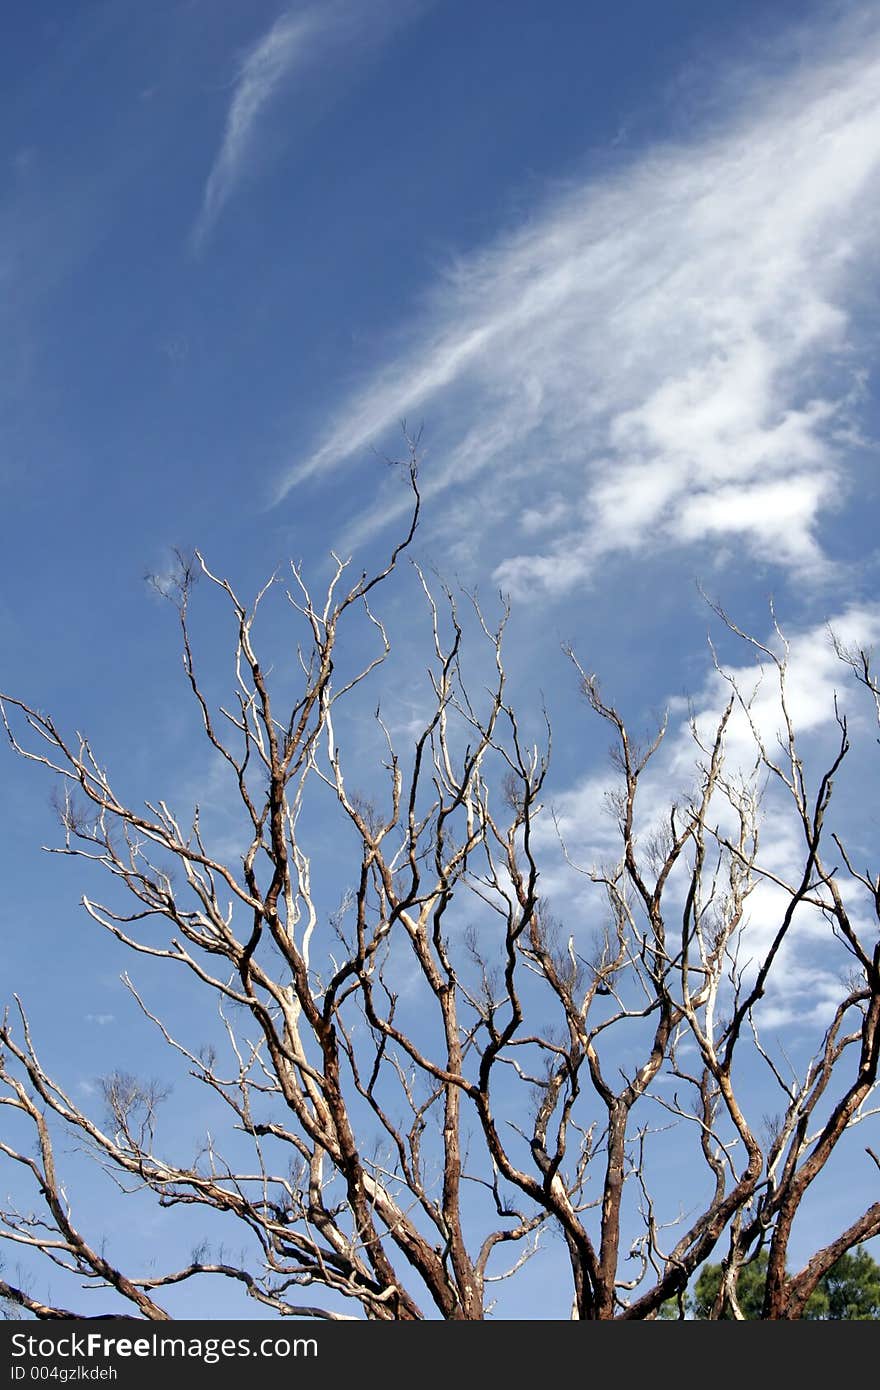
<point>440,1070</point>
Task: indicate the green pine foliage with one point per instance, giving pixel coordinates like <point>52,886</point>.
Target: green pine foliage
<point>850,1291</point>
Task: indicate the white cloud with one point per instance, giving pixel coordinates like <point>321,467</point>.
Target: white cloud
<point>262,71</point>
<point>814,676</point>
<point>805,982</point>
<point>778,515</point>
<point>298,40</point>
<point>663,356</point>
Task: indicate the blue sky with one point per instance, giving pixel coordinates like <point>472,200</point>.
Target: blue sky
<point>618,261</point>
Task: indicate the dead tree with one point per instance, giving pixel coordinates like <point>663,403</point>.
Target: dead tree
<point>405,1156</point>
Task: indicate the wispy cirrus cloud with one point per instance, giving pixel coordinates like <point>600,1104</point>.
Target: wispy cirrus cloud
<point>299,39</point>
<point>667,354</point>
<point>264,68</point>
